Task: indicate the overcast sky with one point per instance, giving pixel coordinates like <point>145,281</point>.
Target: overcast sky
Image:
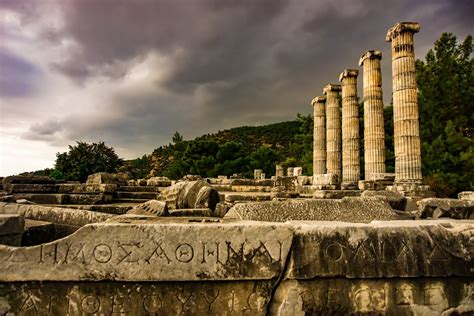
<point>131,73</point>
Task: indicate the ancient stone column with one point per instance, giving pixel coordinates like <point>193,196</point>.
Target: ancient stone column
<point>350,129</point>
<point>279,172</point>
<point>405,104</point>
<point>374,133</point>
<point>319,135</point>
<point>333,130</point>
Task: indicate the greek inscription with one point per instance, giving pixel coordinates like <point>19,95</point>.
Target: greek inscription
<point>365,252</point>
<point>17,255</point>
<point>183,299</point>
<point>90,304</point>
<point>236,255</point>
<point>53,254</point>
<point>152,303</point>
<point>334,251</point>
<point>210,299</point>
<point>159,253</point>
<point>184,253</point>
<point>206,252</point>
<point>127,252</point>
<point>102,253</point>
<point>262,251</point>
<point>29,304</point>
<point>437,254</point>
<point>76,255</point>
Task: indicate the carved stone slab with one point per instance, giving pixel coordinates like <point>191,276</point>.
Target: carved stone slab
<point>382,249</point>
<point>154,251</point>
<point>132,298</point>
<point>396,296</point>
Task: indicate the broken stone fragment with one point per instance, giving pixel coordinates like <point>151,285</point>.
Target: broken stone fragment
<point>452,208</point>
<point>152,207</point>
<point>395,199</point>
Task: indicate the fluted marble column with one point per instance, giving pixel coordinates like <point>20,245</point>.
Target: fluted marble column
<point>319,135</point>
<point>374,132</point>
<point>333,130</point>
<point>405,104</point>
<point>350,128</point>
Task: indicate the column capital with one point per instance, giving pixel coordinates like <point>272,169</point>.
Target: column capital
<point>348,73</point>
<point>318,99</point>
<point>332,87</point>
<point>400,27</point>
<point>370,54</point>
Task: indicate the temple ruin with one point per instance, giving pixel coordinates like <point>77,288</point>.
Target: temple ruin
<point>326,244</point>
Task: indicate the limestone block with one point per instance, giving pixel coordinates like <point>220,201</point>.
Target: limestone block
<point>452,208</point>
<point>257,174</point>
<point>136,298</point>
<point>41,198</point>
<point>395,199</point>
<point>326,179</point>
<point>11,229</point>
<point>144,250</point>
<point>222,209</point>
<point>290,171</point>
<point>89,199</point>
<point>466,195</point>
<point>7,181</point>
<point>297,171</point>
<point>207,197</point>
<point>86,188</point>
<point>349,209</point>
<point>32,188</point>
<point>399,296</point>
<point>152,207</point>
<point>107,178</point>
<point>191,212</point>
<point>251,182</point>
<point>58,215</point>
<point>245,197</point>
<point>333,192</point>
<point>159,181</point>
<point>382,249</point>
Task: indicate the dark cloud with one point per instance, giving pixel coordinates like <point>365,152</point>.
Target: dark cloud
<point>228,63</point>
<point>18,77</point>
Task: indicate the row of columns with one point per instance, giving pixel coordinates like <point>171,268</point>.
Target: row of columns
<point>336,135</point>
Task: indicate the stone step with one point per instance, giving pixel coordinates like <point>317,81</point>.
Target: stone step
<point>124,200</point>
<point>47,198</point>
<point>137,195</point>
<point>136,188</point>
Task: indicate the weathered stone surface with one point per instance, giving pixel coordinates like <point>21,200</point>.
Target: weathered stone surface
<point>86,188</point>
<point>7,181</point>
<point>395,199</point>
<point>325,179</point>
<point>453,208</point>
<point>58,215</point>
<point>382,249</point>
<point>152,207</point>
<point>249,196</point>
<point>222,209</point>
<point>11,229</point>
<point>340,296</point>
<point>333,193</point>
<point>411,190</point>
<point>41,198</point>
<point>191,212</point>
<point>207,197</point>
<point>32,188</point>
<point>159,182</point>
<point>135,298</point>
<point>251,182</point>
<point>107,178</point>
<point>333,130</point>
<point>466,195</point>
<point>144,250</point>
<point>86,198</point>
<point>347,209</point>
<point>319,135</point>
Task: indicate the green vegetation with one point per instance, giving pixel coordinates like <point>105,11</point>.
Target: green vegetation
<point>446,98</point>
<point>84,159</point>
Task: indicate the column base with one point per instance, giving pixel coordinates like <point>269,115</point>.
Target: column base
<point>349,186</point>
<point>412,189</point>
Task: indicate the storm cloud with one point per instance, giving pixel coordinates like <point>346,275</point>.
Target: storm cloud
<point>131,73</point>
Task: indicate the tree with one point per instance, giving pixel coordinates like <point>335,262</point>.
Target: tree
<point>446,99</point>
<point>84,159</point>
<point>177,138</point>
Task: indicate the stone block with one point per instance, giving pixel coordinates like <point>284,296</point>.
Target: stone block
<point>41,198</point>
<point>73,217</point>
<point>382,249</point>
<point>11,229</point>
<point>32,188</point>
<point>140,250</point>
<point>399,296</point>
<point>412,190</point>
<point>222,209</point>
<point>191,212</point>
<point>297,171</point>
<point>395,199</point>
<point>347,209</point>
<point>466,195</point>
<point>107,178</point>
<point>68,188</point>
<point>37,232</point>
<point>159,182</point>
<point>244,197</point>
<point>452,208</point>
<point>325,179</point>
<point>153,207</point>
<point>89,199</point>
<point>335,194</point>
<point>136,298</point>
